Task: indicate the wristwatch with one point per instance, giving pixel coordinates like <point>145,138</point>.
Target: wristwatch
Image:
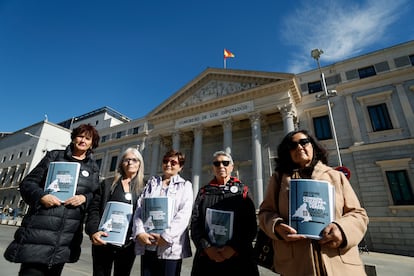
<point>204,244</point>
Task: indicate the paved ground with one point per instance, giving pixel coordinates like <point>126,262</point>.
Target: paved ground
<point>384,264</point>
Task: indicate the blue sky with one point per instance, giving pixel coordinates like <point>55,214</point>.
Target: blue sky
<point>64,58</point>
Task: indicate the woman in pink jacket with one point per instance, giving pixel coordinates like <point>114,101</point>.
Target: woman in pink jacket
<point>336,253</point>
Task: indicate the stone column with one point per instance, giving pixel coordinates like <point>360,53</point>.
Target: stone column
<point>176,140</point>
<point>288,113</point>
<point>15,176</point>
<point>257,157</point>
<point>353,118</point>
<point>141,146</point>
<point>155,150</point>
<point>227,135</point>
<point>197,151</point>
<point>406,107</point>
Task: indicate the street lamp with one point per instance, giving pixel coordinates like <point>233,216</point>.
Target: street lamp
<point>41,138</point>
<point>316,54</point>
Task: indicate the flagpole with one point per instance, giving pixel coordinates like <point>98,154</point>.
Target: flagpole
<point>224,63</point>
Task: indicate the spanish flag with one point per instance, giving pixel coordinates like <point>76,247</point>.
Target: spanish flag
<point>228,54</point>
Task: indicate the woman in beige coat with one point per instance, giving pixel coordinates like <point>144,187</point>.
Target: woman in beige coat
<point>336,253</point>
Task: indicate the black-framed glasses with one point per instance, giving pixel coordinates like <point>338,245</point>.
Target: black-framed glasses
<point>130,160</point>
<point>224,162</point>
<point>293,144</point>
<point>171,161</point>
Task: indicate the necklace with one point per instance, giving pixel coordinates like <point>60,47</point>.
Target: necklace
<point>128,195</point>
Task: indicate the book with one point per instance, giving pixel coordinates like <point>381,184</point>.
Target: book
<point>311,206</point>
<point>62,179</point>
<point>115,222</point>
<point>219,226</point>
<point>157,213</point>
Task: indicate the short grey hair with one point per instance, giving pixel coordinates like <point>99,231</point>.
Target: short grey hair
<point>222,153</point>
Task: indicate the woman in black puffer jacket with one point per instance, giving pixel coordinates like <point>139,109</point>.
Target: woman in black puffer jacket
<point>51,231</point>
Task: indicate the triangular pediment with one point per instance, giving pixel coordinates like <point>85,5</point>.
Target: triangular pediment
<point>213,84</point>
<point>215,89</point>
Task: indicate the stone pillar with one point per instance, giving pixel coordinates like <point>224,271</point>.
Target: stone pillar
<point>176,140</point>
<point>406,107</point>
<point>227,135</point>
<point>197,151</point>
<point>353,118</point>
<point>155,150</point>
<point>141,146</point>
<point>14,179</point>
<point>288,113</point>
<point>257,157</point>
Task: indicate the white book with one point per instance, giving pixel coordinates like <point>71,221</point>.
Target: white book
<point>115,222</point>
<point>311,206</point>
<point>62,179</point>
<point>157,213</point>
<point>219,226</point>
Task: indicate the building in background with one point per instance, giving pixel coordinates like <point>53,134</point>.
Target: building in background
<point>247,113</point>
<point>101,118</point>
<point>20,152</point>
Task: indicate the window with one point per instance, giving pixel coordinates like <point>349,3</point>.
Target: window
<point>379,114</point>
<point>314,87</point>
<point>135,130</point>
<point>29,152</point>
<point>400,187</point>
<point>104,138</point>
<point>322,127</point>
<point>118,134</point>
<point>366,72</point>
<point>412,59</point>
<point>114,159</point>
<point>380,119</point>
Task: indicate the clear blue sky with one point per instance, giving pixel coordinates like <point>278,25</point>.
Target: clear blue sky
<point>64,58</point>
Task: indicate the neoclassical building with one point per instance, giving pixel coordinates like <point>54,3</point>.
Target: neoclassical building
<point>247,113</point>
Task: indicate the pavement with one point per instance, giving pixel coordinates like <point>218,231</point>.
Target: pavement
<point>378,264</point>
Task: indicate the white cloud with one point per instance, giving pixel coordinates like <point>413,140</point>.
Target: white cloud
<point>341,28</point>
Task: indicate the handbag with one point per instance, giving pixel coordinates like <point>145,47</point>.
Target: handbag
<point>263,250</point>
<point>263,247</point>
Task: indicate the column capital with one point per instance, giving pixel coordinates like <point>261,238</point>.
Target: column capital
<point>287,110</point>
<point>198,129</point>
<point>154,139</point>
<point>227,122</point>
<point>176,133</point>
<point>255,117</point>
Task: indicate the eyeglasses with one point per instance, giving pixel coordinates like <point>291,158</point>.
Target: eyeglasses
<point>293,145</point>
<point>224,162</point>
<point>130,160</point>
<point>172,162</point>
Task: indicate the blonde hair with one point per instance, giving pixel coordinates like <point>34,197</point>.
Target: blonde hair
<point>138,181</point>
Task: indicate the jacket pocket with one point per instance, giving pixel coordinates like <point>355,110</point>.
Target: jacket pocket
<point>351,256</point>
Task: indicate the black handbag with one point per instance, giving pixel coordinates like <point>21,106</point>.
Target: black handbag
<point>263,250</point>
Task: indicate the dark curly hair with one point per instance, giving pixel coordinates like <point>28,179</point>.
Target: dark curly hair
<point>284,162</point>
<point>88,129</point>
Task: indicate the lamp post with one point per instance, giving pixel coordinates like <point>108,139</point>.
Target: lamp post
<point>46,140</point>
<point>316,54</point>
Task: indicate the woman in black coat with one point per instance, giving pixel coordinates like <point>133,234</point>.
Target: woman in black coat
<point>51,231</point>
<point>223,248</point>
